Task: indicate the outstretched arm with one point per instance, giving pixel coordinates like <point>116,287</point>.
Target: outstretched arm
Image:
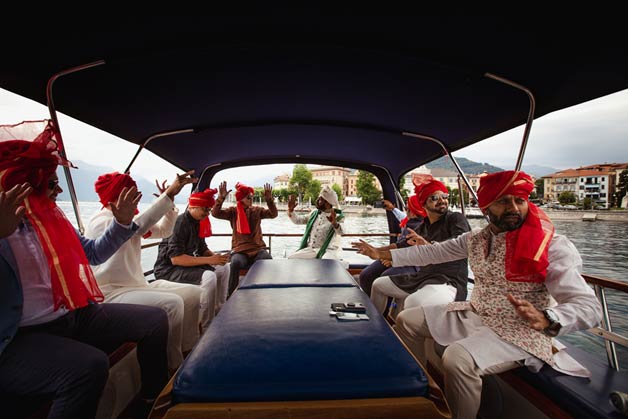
<point>271,212</point>
<point>217,210</point>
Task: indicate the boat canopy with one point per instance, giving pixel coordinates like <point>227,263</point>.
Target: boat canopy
<point>328,90</point>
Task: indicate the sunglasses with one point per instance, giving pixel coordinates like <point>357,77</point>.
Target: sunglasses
<point>435,198</point>
<point>52,184</point>
<point>248,197</point>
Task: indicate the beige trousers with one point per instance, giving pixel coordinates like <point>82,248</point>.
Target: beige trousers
<point>463,378</point>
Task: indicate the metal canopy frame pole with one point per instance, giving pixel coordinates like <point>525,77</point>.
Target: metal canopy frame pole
<point>151,138</point>
<point>55,120</point>
<point>528,127</point>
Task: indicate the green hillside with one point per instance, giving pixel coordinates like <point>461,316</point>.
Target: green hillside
<point>468,166</point>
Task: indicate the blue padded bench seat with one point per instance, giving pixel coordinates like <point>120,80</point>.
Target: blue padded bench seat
<point>281,344</point>
<point>280,273</point>
<point>580,397</point>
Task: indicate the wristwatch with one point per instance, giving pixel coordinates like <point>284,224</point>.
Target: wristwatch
<point>554,323</point>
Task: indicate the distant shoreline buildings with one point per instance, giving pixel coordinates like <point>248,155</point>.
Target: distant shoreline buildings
<point>597,182</point>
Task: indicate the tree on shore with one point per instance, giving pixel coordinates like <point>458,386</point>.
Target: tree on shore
<point>366,187</point>
<point>567,198</point>
<point>300,180</point>
<point>313,190</point>
<point>538,186</point>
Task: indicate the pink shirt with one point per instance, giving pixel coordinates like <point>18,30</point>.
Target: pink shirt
<point>35,277</point>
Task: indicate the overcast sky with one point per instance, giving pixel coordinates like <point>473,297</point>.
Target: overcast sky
<point>593,132</point>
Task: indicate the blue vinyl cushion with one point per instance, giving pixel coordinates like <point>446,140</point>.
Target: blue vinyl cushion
<point>581,397</point>
<point>297,273</point>
<point>281,344</point>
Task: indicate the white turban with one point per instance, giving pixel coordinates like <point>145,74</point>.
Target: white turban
<point>329,195</point>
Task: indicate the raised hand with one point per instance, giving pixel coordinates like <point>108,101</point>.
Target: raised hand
<point>413,238</point>
<point>222,190</point>
<point>124,209</point>
<point>365,249</point>
<point>332,217</point>
<point>161,188</point>
<point>534,317</point>
<point>388,206</point>
<point>10,210</point>
<point>179,182</point>
<point>292,202</point>
<point>268,192</point>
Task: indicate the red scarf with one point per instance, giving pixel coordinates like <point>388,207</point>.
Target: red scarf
<point>203,199</point>
<point>35,161</point>
<point>242,222</point>
<point>414,206</point>
<point>526,247</point>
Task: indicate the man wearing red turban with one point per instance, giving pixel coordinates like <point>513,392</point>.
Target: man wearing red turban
<point>185,258</point>
<point>511,318</point>
<point>437,283</point>
<point>247,243</point>
<point>51,319</point>
<point>121,278</point>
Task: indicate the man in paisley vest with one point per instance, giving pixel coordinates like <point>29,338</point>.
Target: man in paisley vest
<point>528,289</point>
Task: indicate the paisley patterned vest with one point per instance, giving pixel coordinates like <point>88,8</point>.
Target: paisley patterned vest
<point>488,299</point>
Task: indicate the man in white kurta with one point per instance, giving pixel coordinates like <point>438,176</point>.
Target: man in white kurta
<point>528,289</point>
<point>322,237</point>
<point>121,278</point>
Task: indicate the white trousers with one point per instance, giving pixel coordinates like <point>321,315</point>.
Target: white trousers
<point>172,304</point>
<point>383,287</point>
<point>310,253</point>
<point>214,286</point>
<point>191,295</point>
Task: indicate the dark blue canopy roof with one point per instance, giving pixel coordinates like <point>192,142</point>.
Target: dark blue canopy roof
<point>328,90</point>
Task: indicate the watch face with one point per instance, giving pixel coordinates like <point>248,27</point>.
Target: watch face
<point>551,316</point>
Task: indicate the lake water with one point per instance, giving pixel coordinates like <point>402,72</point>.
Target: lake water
<point>602,245</point>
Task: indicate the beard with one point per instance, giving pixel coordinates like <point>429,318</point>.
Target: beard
<point>508,221</point>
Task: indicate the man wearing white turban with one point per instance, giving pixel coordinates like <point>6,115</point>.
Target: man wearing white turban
<point>322,233</point>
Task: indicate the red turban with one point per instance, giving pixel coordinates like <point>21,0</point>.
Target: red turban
<point>423,189</point>
<point>109,186</point>
<point>242,223</point>
<point>243,191</point>
<point>414,206</point>
<point>34,159</point>
<point>526,247</point>
<point>203,199</point>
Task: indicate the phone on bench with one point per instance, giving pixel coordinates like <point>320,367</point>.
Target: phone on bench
<point>348,307</point>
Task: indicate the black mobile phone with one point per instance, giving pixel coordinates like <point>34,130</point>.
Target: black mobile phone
<point>349,307</point>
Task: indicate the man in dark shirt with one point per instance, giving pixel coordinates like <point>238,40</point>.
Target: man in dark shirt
<point>184,256</point>
<point>433,284</point>
<point>410,221</point>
